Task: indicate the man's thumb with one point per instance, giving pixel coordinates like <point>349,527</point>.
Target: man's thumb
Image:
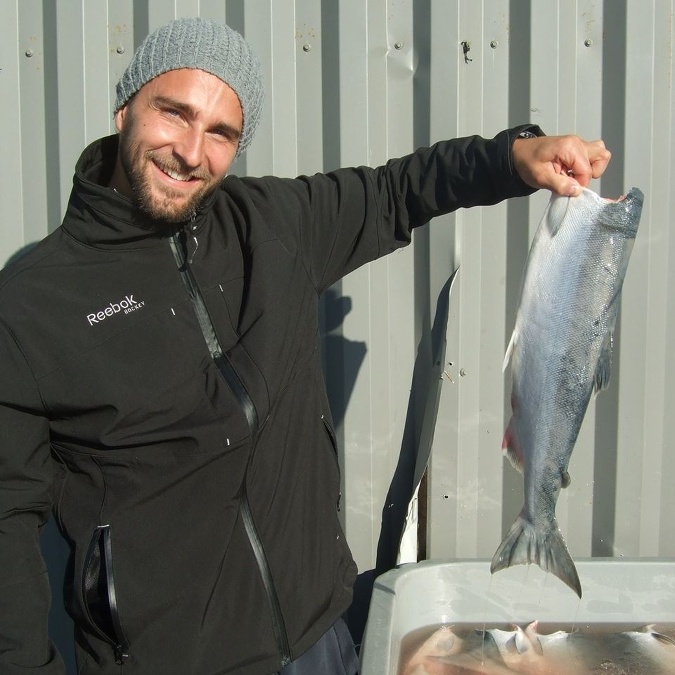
<point>565,186</point>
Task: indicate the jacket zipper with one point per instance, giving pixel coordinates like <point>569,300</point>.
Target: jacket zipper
<point>279,625</point>
<point>230,375</point>
<point>333,442</point>
<point>99,555</point>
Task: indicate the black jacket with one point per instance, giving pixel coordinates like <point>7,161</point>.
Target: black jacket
<point>196,480</point>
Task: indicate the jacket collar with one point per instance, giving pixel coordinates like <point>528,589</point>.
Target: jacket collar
<point>101,217</point>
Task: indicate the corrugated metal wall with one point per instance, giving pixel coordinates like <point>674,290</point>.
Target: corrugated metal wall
<point>358,81</point>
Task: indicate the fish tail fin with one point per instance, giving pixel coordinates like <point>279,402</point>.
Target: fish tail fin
<point>525,544</point>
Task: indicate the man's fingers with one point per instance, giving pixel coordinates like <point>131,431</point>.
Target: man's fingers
<point>562,164</point>
<point>582,171</point>
<point>599,157</point>
<point>588,160</point>
<point>577,156</point>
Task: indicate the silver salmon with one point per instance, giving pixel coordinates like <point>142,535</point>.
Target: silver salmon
<point>530,652</point>
<point>455,650</point>
<point>560,353</point>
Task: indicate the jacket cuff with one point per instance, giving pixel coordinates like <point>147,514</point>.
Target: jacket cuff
<point>511,135</point>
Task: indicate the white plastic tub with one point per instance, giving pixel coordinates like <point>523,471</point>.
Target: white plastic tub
<point>618,594</point>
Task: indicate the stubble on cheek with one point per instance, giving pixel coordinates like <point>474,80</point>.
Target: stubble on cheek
<point>162,203</point>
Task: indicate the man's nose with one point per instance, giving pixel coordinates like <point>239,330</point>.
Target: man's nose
<point>190,147</point>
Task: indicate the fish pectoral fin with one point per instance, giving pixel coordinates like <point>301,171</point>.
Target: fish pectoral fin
<point>663,639</point>
<point>566,480</point>
<point>603,369</point>
<point>510,348</point>
<point>512,449</point>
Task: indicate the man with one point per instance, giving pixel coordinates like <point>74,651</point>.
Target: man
<point>162,387</point>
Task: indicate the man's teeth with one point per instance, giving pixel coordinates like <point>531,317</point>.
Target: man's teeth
<point>177,176</point>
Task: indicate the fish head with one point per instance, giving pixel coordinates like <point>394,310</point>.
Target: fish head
<point>623,215</point>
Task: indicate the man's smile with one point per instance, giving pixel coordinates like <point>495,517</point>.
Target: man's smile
<point>176,175</point>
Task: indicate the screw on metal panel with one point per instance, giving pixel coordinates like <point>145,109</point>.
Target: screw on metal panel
<point>120,50</point>
<point>588,42</point>
<point>306,48</point>
<point>494,44</point>
<point>398,45</point>
<point>462,372</point>
<point>29,53</point>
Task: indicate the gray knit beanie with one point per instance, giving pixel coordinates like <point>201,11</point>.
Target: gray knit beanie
<point>206,45</point>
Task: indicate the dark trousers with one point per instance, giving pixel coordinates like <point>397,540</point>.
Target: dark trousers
<point>333,654</point>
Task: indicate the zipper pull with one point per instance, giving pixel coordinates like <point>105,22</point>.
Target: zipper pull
<point>194,251</point>
<point>120,655</point>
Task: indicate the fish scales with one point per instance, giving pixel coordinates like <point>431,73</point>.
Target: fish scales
<point>560,353</point>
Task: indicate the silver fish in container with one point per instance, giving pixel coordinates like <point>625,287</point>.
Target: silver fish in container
<point>560,354</point>
<point>453,650</point>
<point>530,652</point>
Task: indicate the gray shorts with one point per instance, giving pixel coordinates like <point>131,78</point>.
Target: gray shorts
<point>333,654</point>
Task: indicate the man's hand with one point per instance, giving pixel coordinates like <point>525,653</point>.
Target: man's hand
<point>562,164</point>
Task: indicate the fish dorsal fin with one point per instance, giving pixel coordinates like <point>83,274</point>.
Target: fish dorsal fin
<point>603,369</point>
<point>510,348</point>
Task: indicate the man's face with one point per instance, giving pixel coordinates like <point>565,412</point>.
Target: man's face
<point>178,137</point>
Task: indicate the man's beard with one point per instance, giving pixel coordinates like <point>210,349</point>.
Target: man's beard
<point>170,206</point>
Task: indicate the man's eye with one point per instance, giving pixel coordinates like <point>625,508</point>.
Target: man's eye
<point>172,112</point>
<point>225,134</point>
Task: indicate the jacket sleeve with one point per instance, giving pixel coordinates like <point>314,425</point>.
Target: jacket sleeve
<point>357,215</point>
<point>25,483</point>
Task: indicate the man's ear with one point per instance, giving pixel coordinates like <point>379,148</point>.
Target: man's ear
<point>119,118</point>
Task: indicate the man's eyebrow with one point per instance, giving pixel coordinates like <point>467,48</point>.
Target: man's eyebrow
<point>169,102</point>
<point>223,127</point>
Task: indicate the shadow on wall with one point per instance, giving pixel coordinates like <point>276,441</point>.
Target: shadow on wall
<point>343,358</point>
<point>413,458</point>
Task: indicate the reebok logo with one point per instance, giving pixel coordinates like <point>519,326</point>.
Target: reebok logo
<point>126,305</point>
